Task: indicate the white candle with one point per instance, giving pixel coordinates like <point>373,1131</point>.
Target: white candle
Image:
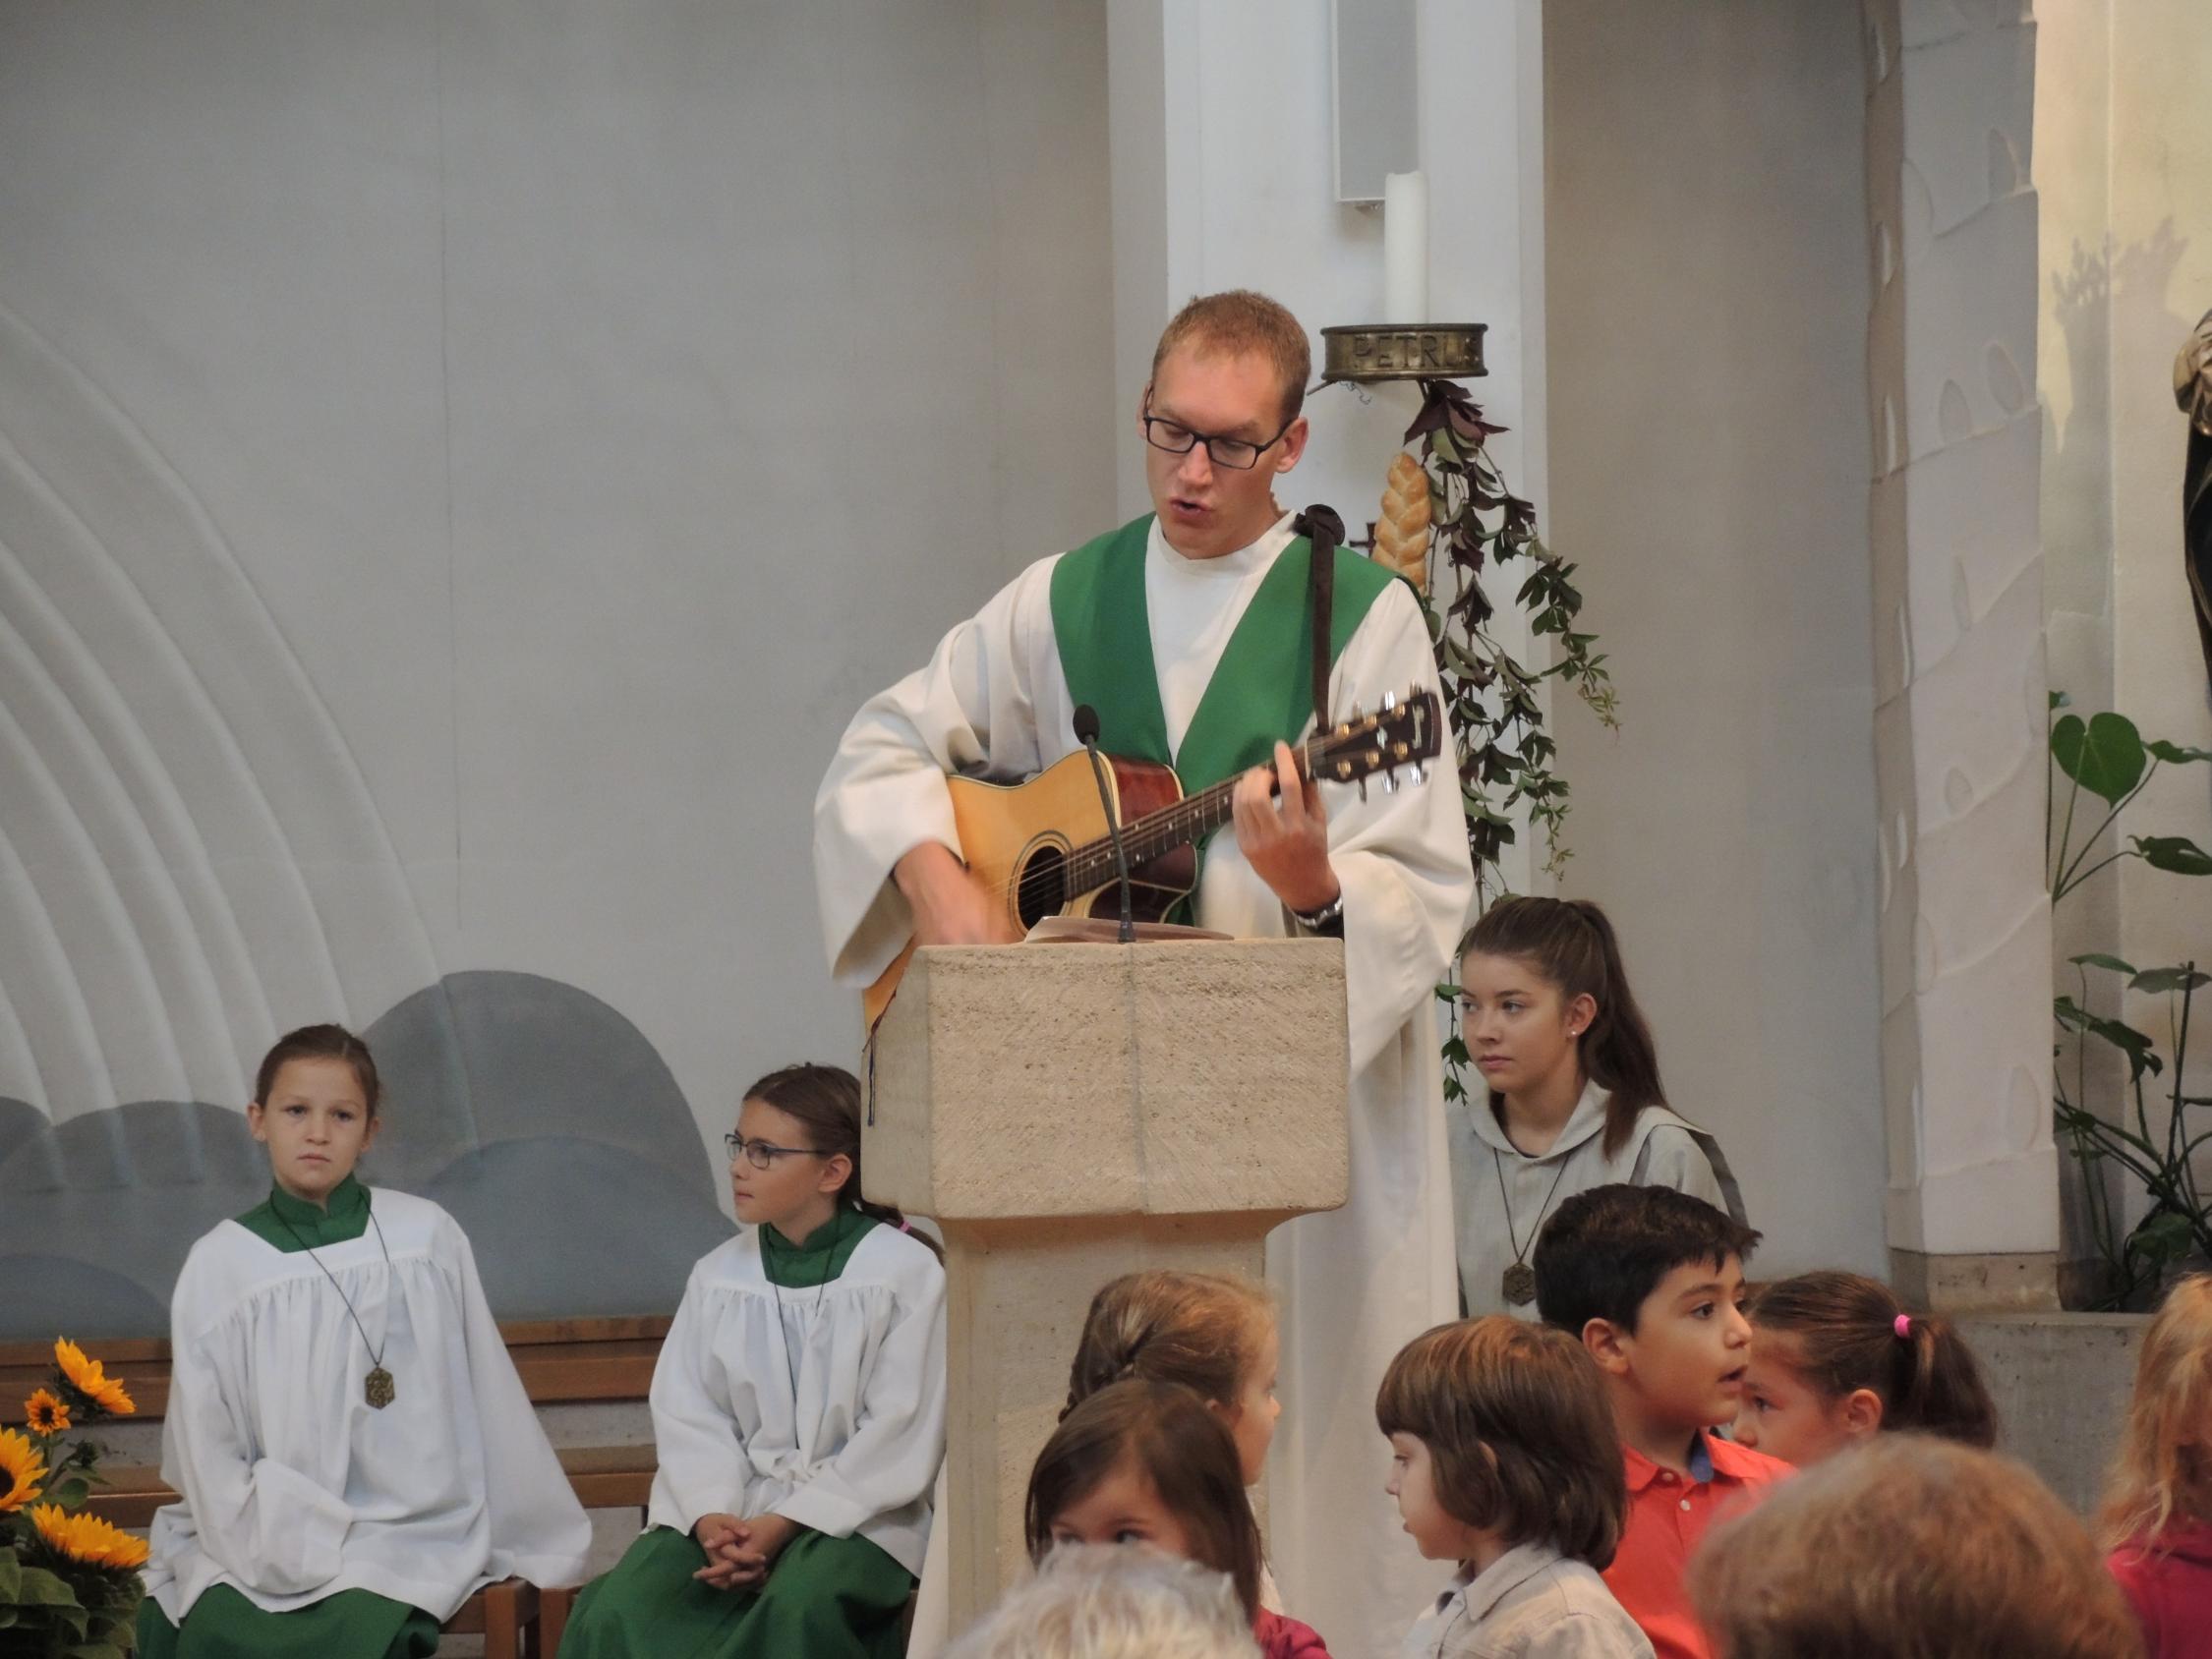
<point>1405,248</point>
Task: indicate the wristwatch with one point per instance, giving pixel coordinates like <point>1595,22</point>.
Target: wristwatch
<point>1329,921</point>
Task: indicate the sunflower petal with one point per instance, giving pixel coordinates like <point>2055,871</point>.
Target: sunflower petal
<point>22,1470</point>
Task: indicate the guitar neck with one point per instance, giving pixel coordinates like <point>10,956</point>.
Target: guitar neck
<point>1160,833</point>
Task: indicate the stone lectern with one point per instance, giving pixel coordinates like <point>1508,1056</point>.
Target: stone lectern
<point>1067,1112</point>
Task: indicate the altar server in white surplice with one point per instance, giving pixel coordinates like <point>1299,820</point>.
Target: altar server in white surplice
<point>1186,632</point>
<point>798,1411</point>
<point>352,1450</point>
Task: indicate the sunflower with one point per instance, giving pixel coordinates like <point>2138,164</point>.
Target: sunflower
<point>88,1539</point>
<point>47,1413</point>
<point>87,1378</point>
<point>22,1468</point>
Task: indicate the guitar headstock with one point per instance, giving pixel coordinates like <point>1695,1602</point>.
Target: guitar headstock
<point>1403,732</point>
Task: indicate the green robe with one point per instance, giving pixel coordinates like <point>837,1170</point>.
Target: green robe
<point>223,1624</point>
<point>824,1598</point>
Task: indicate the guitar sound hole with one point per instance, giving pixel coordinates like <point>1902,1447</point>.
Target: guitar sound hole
<point>1043,890</point>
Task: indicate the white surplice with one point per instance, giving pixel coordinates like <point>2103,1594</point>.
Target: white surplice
<point>823,1403</point>
<point>1356,1284</point>
<point>291,1487</point>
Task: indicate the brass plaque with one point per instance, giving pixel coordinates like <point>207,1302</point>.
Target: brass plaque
<point>1429,350</point>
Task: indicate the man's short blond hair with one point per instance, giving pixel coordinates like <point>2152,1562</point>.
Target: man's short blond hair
<point>1239,321</point>
<point>1114,1601</point>
<point>1909,1547</point>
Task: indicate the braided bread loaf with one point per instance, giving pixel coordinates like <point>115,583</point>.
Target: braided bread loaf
<point>1401,533</point>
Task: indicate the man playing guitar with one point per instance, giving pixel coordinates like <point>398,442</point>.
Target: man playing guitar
<point>1190,632</point>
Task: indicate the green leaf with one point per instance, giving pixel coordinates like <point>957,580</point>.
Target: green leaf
<point>38,1587</point>
<point>1441,442</point>
<point>69,1493</point>
<point>2098,960</point>
<point>2060,700</point>
<point>2173,755</point>
<point>2169,979</point>
<point>2106,756</point>
<point>10,1577</point>
<point>2162,1237</point>
<point>2126,1038</point>
<point>2175,854</point>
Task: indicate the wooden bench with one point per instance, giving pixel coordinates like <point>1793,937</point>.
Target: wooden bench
<point>561,1361</point>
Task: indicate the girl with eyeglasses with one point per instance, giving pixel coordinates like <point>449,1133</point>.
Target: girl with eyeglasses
<point>798,1411</point>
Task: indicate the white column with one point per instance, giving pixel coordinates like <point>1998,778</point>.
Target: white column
<point>1966,926</point>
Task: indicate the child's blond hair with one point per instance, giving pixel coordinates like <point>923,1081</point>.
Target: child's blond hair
<point>2163,1470</point>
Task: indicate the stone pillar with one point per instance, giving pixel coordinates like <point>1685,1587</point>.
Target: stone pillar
<point>1068,1112</point>
<point>1966,925</point>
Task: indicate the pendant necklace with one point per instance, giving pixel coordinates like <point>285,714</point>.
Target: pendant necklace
<point>1518,1282</point>
<point>378,1387</point>
<point>791,1366</point>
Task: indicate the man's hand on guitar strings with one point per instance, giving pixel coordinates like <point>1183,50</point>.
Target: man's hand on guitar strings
<point>1285,839</point>
<point>949,905</point>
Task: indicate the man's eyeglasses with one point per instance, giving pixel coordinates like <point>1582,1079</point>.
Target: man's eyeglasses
<point>1238,455</point>
<point>760,1154</point>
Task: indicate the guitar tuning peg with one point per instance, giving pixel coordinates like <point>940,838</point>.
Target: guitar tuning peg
<point>1389,783</point>
<point>1389,701</point>
<point>1363,788</point>
<point>1418,772</point>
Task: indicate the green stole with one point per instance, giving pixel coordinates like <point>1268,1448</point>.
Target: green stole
<point>820,1256</point>
<point>1262,689</point>
<point>292,1225</point>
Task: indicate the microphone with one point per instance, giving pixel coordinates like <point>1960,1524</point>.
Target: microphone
<point>1086,733</point>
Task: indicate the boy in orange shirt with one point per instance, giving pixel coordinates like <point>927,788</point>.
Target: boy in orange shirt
<point>1652,1281</point>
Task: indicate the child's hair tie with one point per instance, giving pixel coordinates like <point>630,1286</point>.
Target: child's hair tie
<point>1903,1325</point>
<point>906,1226</point>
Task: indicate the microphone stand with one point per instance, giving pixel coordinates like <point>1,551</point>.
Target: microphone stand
<point>1086,733</point>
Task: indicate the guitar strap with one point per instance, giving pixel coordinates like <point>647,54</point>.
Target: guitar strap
<point>1322,527</point>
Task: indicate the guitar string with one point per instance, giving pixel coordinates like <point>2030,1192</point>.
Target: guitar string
<point>1040,880</point>
<point>1178,816</point>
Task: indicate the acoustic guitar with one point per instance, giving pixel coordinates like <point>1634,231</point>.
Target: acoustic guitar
<point>1042,845</point>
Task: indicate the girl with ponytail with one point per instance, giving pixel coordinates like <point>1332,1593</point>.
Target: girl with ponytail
<point>1572,1098</point>
<point>798,1410</point>
<point>1835,1358</point>
<point>1214,1334</point>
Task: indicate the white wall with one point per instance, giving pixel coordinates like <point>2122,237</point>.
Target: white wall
<point>463,467</point>
<point>1706,278</point>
